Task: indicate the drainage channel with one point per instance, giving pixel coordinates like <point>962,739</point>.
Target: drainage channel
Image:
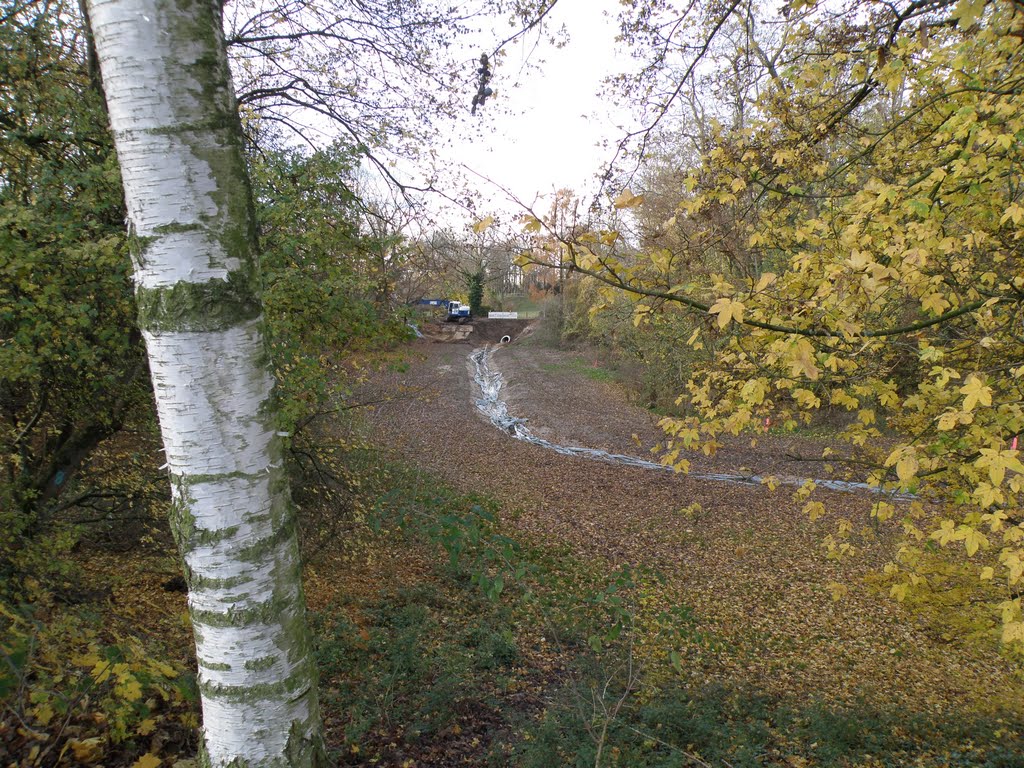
<point>491,405</point>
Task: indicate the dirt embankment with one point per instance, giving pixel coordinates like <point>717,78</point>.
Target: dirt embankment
<point>477,332</point>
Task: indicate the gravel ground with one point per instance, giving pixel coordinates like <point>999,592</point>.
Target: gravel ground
<point>746,560</point>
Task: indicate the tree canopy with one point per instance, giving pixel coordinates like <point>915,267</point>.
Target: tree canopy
<point>845,235</point>
<point>70,360</point>
<point>382,76</point>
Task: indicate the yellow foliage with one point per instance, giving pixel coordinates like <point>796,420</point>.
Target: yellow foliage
<point>837,590</point>
<point>975,392</point>
<point>727,311</point>
<point>627,199</point>
<point>814,510</point>
<point>89,697</point>
<point>483,225</point>
<point>870,260</point>
<point>87,751</point>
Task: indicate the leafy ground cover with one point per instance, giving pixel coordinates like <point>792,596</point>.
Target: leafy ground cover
<point>447,642</point>
<point>482,604</point>
<point>723,641</point>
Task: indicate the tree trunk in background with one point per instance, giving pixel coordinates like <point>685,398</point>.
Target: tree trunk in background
<point>178,140</point>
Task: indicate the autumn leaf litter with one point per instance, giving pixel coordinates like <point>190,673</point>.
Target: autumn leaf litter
<point>745,559</point>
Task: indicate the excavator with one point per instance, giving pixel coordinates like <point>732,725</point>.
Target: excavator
<point>455,311</point>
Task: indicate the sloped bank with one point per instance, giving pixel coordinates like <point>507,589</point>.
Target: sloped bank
<point>758,623</point>
<point>490,403</point>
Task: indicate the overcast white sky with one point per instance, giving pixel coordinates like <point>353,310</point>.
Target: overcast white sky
<point>541,131</point>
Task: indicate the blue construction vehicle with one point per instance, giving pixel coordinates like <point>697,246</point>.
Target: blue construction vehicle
<point>455,311</point>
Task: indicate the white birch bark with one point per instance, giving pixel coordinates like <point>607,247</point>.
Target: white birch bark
<point>177,134</point>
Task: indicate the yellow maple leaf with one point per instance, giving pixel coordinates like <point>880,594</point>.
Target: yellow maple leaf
<point>935,303</point>
<point>531,223</point>
<point>43,714</point>
<point>130,690</point>
<point>483,225</point>
<point>995,520</point>
<point>803,362</point>
<point>1012,462</point>
<point>783,156</point>
<point>1014,534</point>
<point>837,590</point>
<point>806,399</point>
<point>1014,565</point>
<point>1013,632</point>
<point>906,468</point>
<point>148,760</point>
<point>88,660</point>
<point>101,671</point>
<point>945,534</point>
<point>1014,213</point>
<point>87,750</point>
<point>967,11</point>
<point>641,314</point>
<point>883,510</point>
<point>814,510</point>
<point>766,280</point>
<point>973,540</point>
<point>905,460</point>
<point>627,199</point>
<point>975,391</point>
<point>997,462</point>
<point>727,311</point>
<point>899,591</point>
<point>753,392</point>
<point>165,669</point>
<point>987,495</point>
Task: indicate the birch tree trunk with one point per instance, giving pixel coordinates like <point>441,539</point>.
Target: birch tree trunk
<point>178,138</point>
